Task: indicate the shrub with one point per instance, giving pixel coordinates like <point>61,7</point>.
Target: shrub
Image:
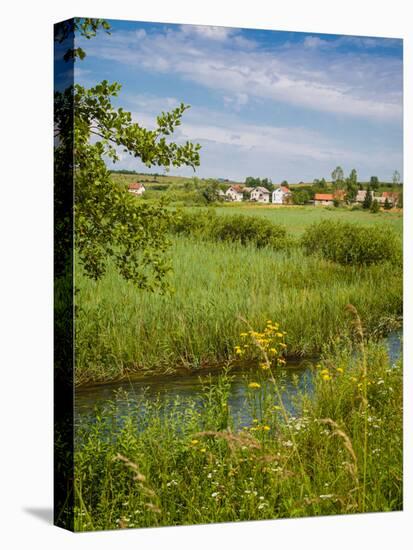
<point>234,228</point>
<point>347,243</point>
<point>249,230</point>
<point>375,207</point>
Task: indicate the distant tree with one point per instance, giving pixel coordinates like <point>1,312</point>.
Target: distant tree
<point>375,207</point>
<point>400,199</point>
<point>252,182</point>
<point>396,178</point>
<point>316,182</point>
<point>387,204</point>
<point>285,183</point>
<point>368,199</point>
<point>336,202</point>
<point>211,192</point>
<point>337,175</point>
<point>374,183</point>
<point>323,183</point>
<point>267,183</point>
<point>353,176</point>
<point>300,196</point>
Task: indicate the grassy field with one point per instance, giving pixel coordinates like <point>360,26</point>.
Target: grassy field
<point>341,454</point>
<point>121,330</point>
<point>175,463</point>
<point>297,218</point>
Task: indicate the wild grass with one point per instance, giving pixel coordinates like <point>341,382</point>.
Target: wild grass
<point>297,218</point>
<point>121,330</point>
<point>340,453</point>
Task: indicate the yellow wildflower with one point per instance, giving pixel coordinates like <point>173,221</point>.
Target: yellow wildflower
<point>326,377</point>
<point>266,428</point>
<point>194,442</point>
<point>254,385</point>
<point>339,369</point>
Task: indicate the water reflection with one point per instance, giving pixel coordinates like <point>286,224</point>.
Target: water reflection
<point>295,378</point>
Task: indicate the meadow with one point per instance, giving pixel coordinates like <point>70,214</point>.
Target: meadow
<point>297,218</point>
<point>341,453</point>
<point>122,331</point>
<point>289,273</point>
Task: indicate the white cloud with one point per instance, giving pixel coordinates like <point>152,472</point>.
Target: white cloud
<point>233,148</point>
<point>311,74</point>
<point>218,34</point>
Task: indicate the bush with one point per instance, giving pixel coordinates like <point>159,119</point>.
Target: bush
<point>347,243</point>
<point>234,228</point>
<point>375,207</point>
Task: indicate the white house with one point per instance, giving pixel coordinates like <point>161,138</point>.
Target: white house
<point>281,195</point>
<point>361,195</point>
<point>234,193</point>
<point>260,194</point>
<point>136,188</point>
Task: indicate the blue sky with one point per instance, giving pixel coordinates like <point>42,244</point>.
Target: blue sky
<point>283,105</point>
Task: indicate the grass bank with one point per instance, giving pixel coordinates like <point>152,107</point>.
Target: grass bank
<point>341,454</point>
<point>121,330</point>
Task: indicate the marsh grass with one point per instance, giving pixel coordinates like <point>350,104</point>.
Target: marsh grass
<point>121,330</point>
<point>340,453</point>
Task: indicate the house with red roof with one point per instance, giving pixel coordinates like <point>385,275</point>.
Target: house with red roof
<point>392,198</point>
<point>323,199</point>
<point>136,188</point>
<point>235,193</point>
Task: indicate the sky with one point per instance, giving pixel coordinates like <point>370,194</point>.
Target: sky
<point>283,105</point>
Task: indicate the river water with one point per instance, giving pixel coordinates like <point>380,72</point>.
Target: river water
<point>295,377</point>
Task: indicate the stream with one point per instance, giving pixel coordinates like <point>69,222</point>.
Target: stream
<point>295,376</point>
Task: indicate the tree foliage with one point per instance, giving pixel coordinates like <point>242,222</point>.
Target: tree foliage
<point>387,204</point>
<point>368,199</point>
<point>110,223</point>
<point>396,177</point>
<point>374,183</point>
<point>250,181</point>
<point>82,26</point>
<point>375,207</point>
<point>337,176</point>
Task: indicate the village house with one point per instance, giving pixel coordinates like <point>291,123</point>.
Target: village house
<point>361,195</point>
<point>247,190</point>
<point>323,199</point>
<point>235,193</point>
<point>136,188</point>
<point>392,198</point>
<point>339,194</point>
<point>260,194</point>
<point>281,195</point>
